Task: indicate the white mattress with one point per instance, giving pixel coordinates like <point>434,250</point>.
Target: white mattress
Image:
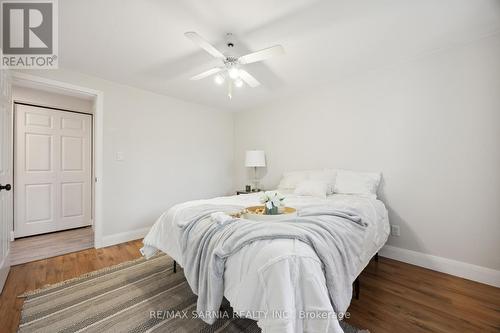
<point>260,278</point>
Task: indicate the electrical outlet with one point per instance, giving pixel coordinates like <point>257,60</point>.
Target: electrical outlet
<point>395,230</point>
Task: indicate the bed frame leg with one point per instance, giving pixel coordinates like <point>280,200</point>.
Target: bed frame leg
<point>356,288</point>
<point>175,266</point>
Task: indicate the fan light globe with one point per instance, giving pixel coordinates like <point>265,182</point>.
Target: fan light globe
<point>238,83</point>
<point>234,73</point>
<point>219,79</point>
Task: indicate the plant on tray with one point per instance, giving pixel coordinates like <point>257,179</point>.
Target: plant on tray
<point>272,200</point>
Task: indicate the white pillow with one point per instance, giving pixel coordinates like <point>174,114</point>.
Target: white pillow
<point>351,182</point>
<point>327,176</point>
<point>290,180</point>
<point>313,188</point>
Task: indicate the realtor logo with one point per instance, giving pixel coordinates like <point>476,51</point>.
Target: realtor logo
<point>29,34</point>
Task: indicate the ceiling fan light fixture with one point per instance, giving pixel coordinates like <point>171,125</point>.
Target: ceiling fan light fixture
<point>234,73</point>
<point>219,79</point>
<point>232,69</point>
<point>238,83</point>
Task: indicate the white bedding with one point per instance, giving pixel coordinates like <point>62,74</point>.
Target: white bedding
<point>279,275</point>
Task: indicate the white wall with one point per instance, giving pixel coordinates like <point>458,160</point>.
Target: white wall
<point>50,99</point>
<point>174,151</point>
<point>431,125</point>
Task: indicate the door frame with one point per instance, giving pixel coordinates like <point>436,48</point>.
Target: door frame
<point>32,81</point>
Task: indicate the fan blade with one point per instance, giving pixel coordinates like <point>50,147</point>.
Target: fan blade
<point>206,73</point>
<point>198,40</point>
<point>249,79</point>
<point>262,54</point>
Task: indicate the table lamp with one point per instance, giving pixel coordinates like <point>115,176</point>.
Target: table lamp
<point>255,159</point>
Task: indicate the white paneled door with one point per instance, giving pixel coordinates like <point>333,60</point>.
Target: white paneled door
<point>52,170</point>
<point>5,174</point>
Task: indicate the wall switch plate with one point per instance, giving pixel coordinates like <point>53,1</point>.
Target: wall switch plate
<point>120,156</point>
<point>395,230</point>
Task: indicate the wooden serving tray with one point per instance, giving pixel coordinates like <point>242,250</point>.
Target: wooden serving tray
<point>256,213</point>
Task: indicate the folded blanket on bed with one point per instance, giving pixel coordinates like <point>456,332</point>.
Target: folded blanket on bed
<point>335,235</point>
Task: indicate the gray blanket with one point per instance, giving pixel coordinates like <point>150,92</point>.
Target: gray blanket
<point>336,237</point>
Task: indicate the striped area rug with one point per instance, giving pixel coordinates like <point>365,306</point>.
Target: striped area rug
<point>136,296</point>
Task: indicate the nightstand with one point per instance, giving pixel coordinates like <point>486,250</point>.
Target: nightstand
<point>246,192</point>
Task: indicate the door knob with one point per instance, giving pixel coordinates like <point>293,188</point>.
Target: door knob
<point>7,187</point>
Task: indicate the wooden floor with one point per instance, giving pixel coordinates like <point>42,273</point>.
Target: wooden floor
<point>395,297</point>
<point>50,245</point>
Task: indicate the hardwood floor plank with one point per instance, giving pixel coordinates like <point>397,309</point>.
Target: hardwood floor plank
<point>395,297</point>
<point>425,300</point>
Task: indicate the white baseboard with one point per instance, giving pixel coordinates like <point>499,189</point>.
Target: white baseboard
<point>461,269</point>
<point>123,237</point>
<point>4,270</point>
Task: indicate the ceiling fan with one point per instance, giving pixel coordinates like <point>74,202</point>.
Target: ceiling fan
<point>231,69</point>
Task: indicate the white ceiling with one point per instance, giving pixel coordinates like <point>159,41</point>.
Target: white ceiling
<point>141,43</point>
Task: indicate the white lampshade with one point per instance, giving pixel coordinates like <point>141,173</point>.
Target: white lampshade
<point>255,158</point>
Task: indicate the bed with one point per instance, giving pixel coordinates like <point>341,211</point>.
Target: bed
<point>271,280</point>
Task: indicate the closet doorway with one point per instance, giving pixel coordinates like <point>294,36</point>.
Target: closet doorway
<point>52,170</point>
